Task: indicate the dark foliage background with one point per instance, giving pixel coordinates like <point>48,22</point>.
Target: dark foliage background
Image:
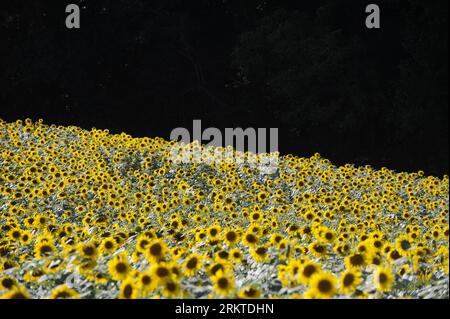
<point>310,68</point>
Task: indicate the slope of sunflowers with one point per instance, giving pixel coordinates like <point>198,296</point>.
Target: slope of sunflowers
<point>88,214</point>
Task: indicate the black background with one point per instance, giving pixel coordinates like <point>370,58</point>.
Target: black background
<point>310,68</point>
<point>283,308</point>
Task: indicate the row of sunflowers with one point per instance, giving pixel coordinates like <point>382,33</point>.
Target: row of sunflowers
<point>89,214</point>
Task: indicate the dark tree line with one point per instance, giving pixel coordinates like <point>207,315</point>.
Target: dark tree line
<point>310,68</point>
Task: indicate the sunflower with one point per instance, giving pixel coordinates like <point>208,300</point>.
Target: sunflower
<point>200,235</point>
<point>403,270</point>
<point>15,234</point>
<point>161,272</point>
<point>262,197</point>
<point>236,255</point>
<point>276,238</point>
<point>18,292</point>
<point>119,267</point>
<point>142,243</point>
<point>393,255</point>
<point>43,249</point>
<point>129,289</point>
<point>293,269</point>
<point>323,285</point>
<point>29,222</point>
<point>7,283</point>
<point>192,264</point>
<point>34,275</point>
<point>156,250</point>
<point>213,232</point>
<point>88,250</point>
<point>376,244</point>
<point>26,237</point>
<point>317,249</point>
<point>64,292</point>
<point>308,270</point>
<point>328,236</point>
<point>175,269</point>
<point>171,289</point>
<point>249,292</point>
<point>178,252</point>
<point>260,253</point>
<point>53,265</point>
<point>355,261</point>
<point>374,258</point>
<point>364,247</point>
<point>146,282</point>
<point>99,278</point>
<point>86,266</point>
<point>231,237</point>
<point>108,246</point>
<point>349,280</point>
<point>403,245</point>
<point>222,285</point>
<point>222,255</point>
<point>383,279</point>
<point>250,239</point>
<point>255,216</point>
<point>214,268</point>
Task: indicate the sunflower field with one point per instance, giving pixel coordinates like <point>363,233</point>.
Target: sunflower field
<point>89,214</point>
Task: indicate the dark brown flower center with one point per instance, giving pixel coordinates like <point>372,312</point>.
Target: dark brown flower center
<point>155,250</point>
<point>324,286</point>
<point>382,278</point>
<point>192,263</point>
<point>348,280</point>
<point>309,270</point>
<point>121,268</point>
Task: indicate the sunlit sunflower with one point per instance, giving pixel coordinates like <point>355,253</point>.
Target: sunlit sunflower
<point>355,261</point>
<point>323,285</point>
<point>18,292</point>
<point>108,246</point>
<point>119,268</point>
<point>146,282</point>
<point>161,272</point>
<point>171,289</point>
<point>214,268</point>
<point>88,250</point>
<point>393,255</point>
<point>250,239</point>
<point>231,237</point>
<point>260,253</point>
<point>156,250</point>
<point>309,269</point>
<point>223,285</point>
<point>26,237</point>
<point>236,255</point>
<point>349,280</point>
<point>34,275</point>
<point>317,249</point>
<point>15,234</point>
<point>403,270</point>
<point>192,264</point>
<point>213,232</point>
<point>7,283</point>
<point>222,255</point>
<point>383,279</point>
<point>43,250</point>
<point>64,292</point>
<point>129,289</point>
<point>403,245</point>
<point>249,292</point>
